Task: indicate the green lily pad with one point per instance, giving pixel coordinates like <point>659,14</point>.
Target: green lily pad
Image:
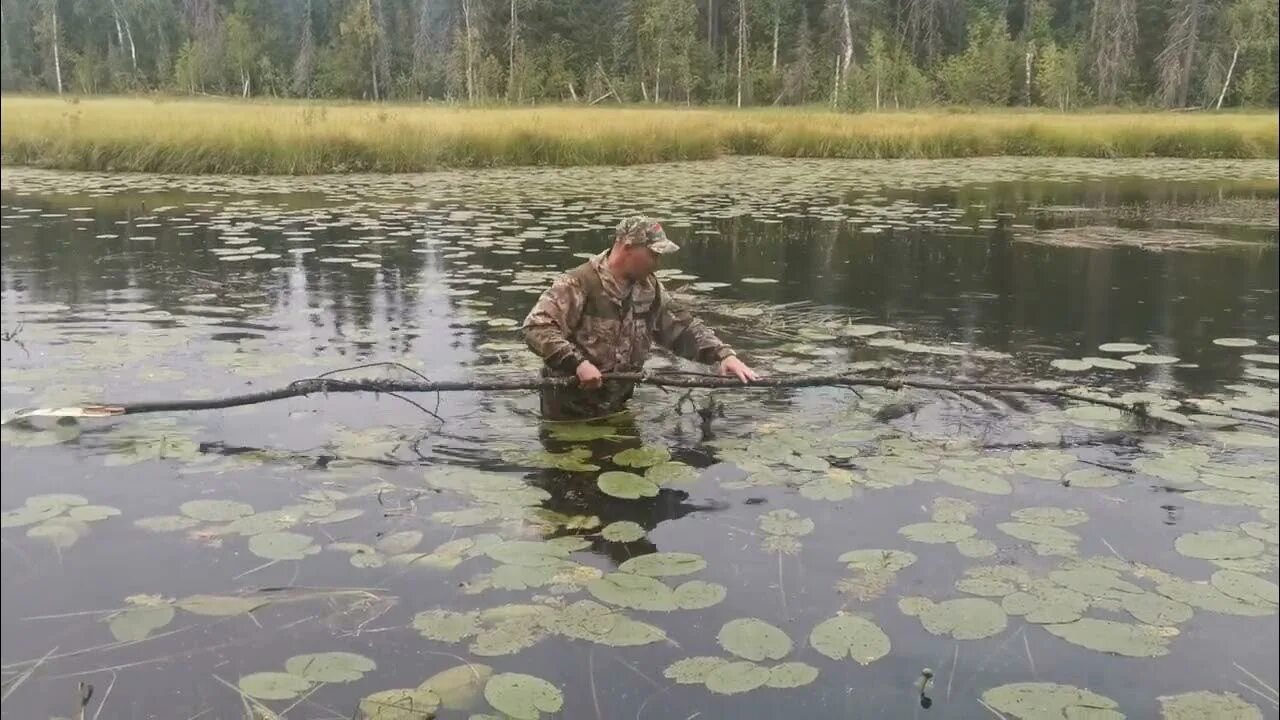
<point>962,618</point>
<point>1122,347</point>
<point>220,605</point>
<point>60,531</point>
<point>1150,359</point>
<point>850,636</point>
<point>166,523</point>
<point>508,637</point>
<point>1247,588</point>
<point>1217,545</point>
<point>400,542</point>
<point>445,625</point>
<point>1050,701</point>
<point>1113,637</point>
<point>693,670</point>
<point>1205,705</point>
<point>459,688</point>
<point>1070,365</point>
<point>625,485</point>
<point>1045,604</point>
<point>791,675</point>
<point>785,522</point>
<point>633,591</point>
<point>29,515</point>
<point>469,517</point>
<point>977,481</point>
<point>61,501</point>
<point>136,623</point>
<point>1153,609</point>
<point>623,531</point>
<point>215,510</point>
<point>827,488</point>
<point>282,546</point>
<point>1039,534</point>
<point>338,516</point>
<point>671,473</point>
<point>664,564</point>
<point>1107,363</point>
<point>874,559</point>
<point>699,595</point>
<point>1207,597</point>
<point>329,667</point>
<point>976,548</point>
<point>736,677</point>
<point>521,696</point>
<point>1235,342</point>
<point>1058,517</point>
<point>400,704</point>
<point>754,639</point>
<point>1091,478</point>
<point>583,432</point>
<point>92,513</point>
<point>1266,532</point>
<point>273,685</point>
<point>937,533</point>
<point>952,510</point>
<point>1043,464</point>
<point>258,523</point>
<point>642,457</point>
<point>527,553</point>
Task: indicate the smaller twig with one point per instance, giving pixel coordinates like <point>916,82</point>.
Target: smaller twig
<point>1259,693</point>
<point>1027,644</point>
<point>955,658</point>
<point>591,675</point>
<point>1113,550</point>
<point>263,566</point>
<point>105,695</point>
<point>1256,679</point>
<point>992,710</point>
<point>23,677</point>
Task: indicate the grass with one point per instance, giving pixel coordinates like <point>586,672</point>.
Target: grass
<point>297,137</point>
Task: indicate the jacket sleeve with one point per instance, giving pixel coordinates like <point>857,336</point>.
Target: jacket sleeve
<point>550,324</point>
<point>685,335</point>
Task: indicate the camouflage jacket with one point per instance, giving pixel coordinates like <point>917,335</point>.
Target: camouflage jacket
<point>587,314</point>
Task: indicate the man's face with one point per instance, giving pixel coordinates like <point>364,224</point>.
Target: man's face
<point>640,261</point>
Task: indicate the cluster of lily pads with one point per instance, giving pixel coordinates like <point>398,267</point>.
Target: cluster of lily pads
<point>58,518</point>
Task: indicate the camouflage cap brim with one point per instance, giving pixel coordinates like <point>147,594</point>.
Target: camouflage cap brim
<point>663,246</point>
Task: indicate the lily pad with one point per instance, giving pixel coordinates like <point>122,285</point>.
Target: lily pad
<point>63,533</point>
<point>400,542</point>
<point>1039,534</point>
<point>699,595</point>
<point>754,639</point>
<point>282,546</point>
<point>1247,588</point>
<point>1050,701</point>
<point>1091,478</point>
<point>136,623</point>
<point>937,533</point>
<point>664,564</point>
<point>1150,359</point>
<point>977,481</point>
<point>625,485</point>
<point>1234,342</point>
<point>736,677</point>
<point>400,704</point>
<point>623,531</point>
<point>445,625</point>
<point>633,591</point>
<point>872,559</point>
<point>1122,347</point>
<point>215,510</point>
<point>976,548</point>
<point>1153,609</point>
<point>1207,597</point>
<point>220,605</point>
<point>1070,365</point>
<point>1205,705</point>
<point>693,670</point>
<point>166,523</point>
<point>1217,545</point>
<point>459,688</point>
<point>962,618</point>
<point>1058,517</point>
<point>92,513</point>
<point>791,675</point>
<point>521,696</point>
<point>827,488</point>
<point>273,685</point>
<point>850,636</point>
<point>671,473</point>
<point>329,667</point>
<point>1117,638</point>
<point>29,515</point>
<point>785,522</point>
<point>642,457</point>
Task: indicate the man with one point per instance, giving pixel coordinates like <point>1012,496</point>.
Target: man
<point>603,316</point>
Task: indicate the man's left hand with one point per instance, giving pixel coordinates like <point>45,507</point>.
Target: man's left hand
<point>733,366</point>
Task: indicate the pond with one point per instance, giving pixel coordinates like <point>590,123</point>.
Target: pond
<point>819,552</point>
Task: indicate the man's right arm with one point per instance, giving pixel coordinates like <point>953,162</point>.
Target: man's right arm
<point>550,324</point>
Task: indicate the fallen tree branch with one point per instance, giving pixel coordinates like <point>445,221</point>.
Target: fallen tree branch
<point>311,386</point>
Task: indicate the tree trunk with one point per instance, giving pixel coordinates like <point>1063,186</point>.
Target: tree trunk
<point>835,84</point>
<point>466,20</point>
<point>1026,99</point>
<point>572,93</point>
<point>244,84</point>
<point>644,91</point>
<point>1184,84</point>
<point>133,50</point>
<point>742,43</point>
<point>115,12</point>
<point>777,22</point>
<point>877,92</point>
<point>511,60</point>
<point>57,61</point>
<point>1230,69</point>
<point>846,39</point>
<point>711,25</point>
<point>657,75</point>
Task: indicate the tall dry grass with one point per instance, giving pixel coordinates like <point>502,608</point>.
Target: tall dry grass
<point>296,137</point>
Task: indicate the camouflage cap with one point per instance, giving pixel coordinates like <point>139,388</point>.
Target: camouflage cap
<point>641,230</point>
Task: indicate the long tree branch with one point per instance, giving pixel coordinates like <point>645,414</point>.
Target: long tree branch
<point>310,386</point>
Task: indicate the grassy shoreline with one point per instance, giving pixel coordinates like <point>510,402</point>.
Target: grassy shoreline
<point>296,137</point>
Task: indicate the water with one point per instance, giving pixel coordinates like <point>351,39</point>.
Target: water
<point>124,288</point>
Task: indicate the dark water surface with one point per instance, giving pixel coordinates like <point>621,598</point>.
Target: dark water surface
<point>125,288</point>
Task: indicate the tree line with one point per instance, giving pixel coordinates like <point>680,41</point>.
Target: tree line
<point>847,54</point>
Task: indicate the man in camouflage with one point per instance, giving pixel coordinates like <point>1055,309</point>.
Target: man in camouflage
<point>604,315</point>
